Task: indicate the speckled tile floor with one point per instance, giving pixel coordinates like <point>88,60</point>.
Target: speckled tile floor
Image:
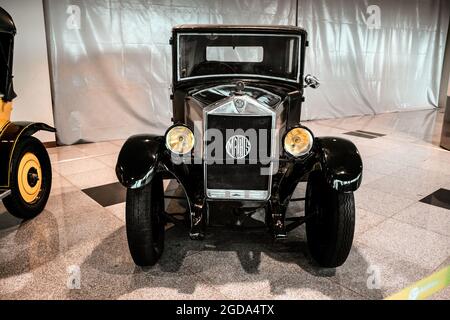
<point>398,239</point>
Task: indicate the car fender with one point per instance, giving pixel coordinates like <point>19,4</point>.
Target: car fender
<point>9,135</point>
<point>138,160</point>
<point>340,162</point>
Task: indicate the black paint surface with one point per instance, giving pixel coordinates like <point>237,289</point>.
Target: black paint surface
<point>439,198</point>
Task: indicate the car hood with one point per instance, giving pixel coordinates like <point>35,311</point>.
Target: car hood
<point>268,96</point>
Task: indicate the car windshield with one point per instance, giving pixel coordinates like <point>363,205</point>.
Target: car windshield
<point>252,55</point>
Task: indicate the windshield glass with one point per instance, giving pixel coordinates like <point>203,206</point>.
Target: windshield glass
<point>252,55</point>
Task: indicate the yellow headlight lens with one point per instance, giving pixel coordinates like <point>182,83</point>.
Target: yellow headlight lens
<point>298,142</point>
<point>180,140</point>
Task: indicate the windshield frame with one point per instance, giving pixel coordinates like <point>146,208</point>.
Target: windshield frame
<point>299,42</point>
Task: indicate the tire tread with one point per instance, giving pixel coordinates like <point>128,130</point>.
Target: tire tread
<point>330,239</point>
<point>140,220</point>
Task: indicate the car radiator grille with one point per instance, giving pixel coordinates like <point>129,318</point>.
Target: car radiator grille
<point>230,178</point>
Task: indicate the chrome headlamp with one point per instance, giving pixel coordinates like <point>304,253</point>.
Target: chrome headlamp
<point>298,141</point>
<point>180,139</point>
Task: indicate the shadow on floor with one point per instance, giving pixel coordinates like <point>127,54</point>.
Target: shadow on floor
<point>225,256</point>
<point>35,242</point>
<point>231,257</point>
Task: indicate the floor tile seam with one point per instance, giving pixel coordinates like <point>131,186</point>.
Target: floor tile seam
<point>86,157</point>
<point>333,281</point>
<point>395,254</point>
<point>420,227</point>
<point>374,226</point>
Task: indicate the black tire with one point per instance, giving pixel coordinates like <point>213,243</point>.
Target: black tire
<point>15,202</point>
<point>330,222</point>
<point>145,223</point>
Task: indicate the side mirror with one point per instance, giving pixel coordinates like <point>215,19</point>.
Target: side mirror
<point>311,81</point>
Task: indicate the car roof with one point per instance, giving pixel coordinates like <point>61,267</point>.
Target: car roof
<point>285,29</point>
<point>6,22</point>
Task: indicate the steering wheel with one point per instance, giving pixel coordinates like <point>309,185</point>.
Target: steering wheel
<point>208,65</point>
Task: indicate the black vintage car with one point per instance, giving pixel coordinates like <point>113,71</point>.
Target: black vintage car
<point>237,145</point>
<point>25,169</point>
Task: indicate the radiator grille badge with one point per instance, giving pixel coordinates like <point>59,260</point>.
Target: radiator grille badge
<point>239,104</point>
<point>238,146</point>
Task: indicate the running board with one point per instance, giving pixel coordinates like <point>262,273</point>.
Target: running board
<point>4,194</point>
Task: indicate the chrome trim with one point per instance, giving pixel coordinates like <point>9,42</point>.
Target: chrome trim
<point>4,194</point>
<point>226,107</point>
<point>247,87</point>
<point>237,194</point>
<point>146,179</point>
<point>239,74</point>
<point>340,183</point>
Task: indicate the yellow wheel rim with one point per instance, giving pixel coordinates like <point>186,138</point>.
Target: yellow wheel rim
<point>29,177</point>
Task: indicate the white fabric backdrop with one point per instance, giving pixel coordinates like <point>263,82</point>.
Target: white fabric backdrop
<point>111,61</point>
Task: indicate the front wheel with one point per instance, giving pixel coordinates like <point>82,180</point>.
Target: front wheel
<point>30,179</point>
<point>330,222</point>
<point>145,223</point>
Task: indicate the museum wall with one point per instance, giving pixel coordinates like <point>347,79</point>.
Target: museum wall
<point>31,72</point>
<point>111,62</point>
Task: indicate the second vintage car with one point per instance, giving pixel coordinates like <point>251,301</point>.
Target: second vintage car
<point>237,144</point>
<point>25,168</point>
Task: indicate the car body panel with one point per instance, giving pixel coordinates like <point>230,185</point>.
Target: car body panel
<point>9,135</point>
<point>341,163</point>
<point>138,160</point>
